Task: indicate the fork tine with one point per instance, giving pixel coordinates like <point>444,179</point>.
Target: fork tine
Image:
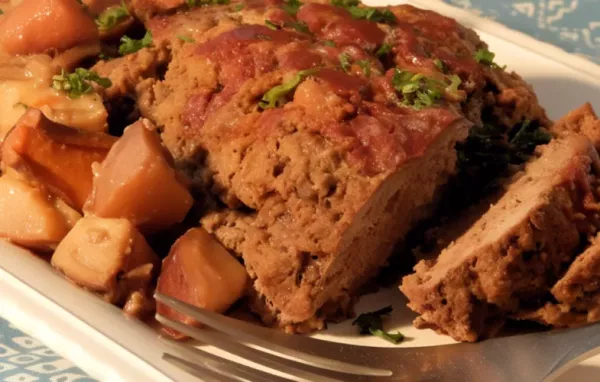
<point>231,368</point>
<point>269,341</point>
<point>198,371</point>
<point>296,371</point>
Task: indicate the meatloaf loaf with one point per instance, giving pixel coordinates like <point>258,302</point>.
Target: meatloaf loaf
<point>324,132</point>
<point>509,260</point>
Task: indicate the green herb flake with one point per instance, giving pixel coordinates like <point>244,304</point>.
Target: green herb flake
<point>383,50</point>
<point>329,43</point>
<point>261,36</point>
<point>366,13</point>
<point>439,64</point>
<point>365,65</point>
<point>345,62</point>
<point>1,12</point>
<point>186,39</point>
<point>277,96</point>
<point>129,45</point>
<point>79,82</point>
<point>20,104</point>
<point>291,7</point>
<point>111,17</point>
<point>271,25</point>
<point>298,26</point>
<point>203,3</point>
<point>420,91</point>
<point>238,7</point>
<point>372,323</point>
<point>485,57</point>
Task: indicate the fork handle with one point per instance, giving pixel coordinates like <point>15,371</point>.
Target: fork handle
<point>585,344</point>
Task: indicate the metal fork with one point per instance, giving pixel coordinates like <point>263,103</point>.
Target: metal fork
<point>273,356</point>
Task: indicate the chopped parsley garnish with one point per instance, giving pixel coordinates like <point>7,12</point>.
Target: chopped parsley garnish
<point>345,62</point>
<point>262,36</point>
<point>383,50</point>
<point>439,64</point>
<point>277,96</point>
<point>365,65</point>
<point>329,43</point>
<point>111,17</point>
<point>299,26</point>
<point>485,57</point>
<point>238,7</point>
<point>20,104</point>
<point>79,82</point>
<point>291,6</point>
<point>271,25</point>
<point>366,13</point>
<point>1,12</point>
<point>201,3</point>
<point>129,45</point>
<point>372,323</point>
<point>186,39</point>
<point>420,91</point>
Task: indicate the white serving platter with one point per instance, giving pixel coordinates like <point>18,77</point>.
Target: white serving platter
<point>111,347</point>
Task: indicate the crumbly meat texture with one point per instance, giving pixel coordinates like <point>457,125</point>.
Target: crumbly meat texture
<point>510,258</point>
<point>315,192</point>
<point>582,120</point>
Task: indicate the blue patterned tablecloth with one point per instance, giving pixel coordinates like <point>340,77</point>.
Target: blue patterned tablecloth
<point>571,24</point>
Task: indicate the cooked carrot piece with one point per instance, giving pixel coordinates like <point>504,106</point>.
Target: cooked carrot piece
<point>37,26</point>
<point>57,157</point>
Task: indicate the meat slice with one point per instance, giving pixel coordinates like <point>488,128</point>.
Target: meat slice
<point>576,294</point>
<point>581,120</point>
<point>511,257</point>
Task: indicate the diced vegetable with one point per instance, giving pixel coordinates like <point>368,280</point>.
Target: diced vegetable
<point>200,272</point>
<point>106,256</point>
<point>137,182</point>
<point>57,157</point>
<point>31,218</point>
<point>38,26</point>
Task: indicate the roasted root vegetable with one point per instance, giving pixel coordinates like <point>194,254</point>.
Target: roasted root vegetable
<point>137,182</point>
<point>199,271</point>
<point>38,26</point>
<point>30,217</point>
<point>108,257</point>
<point>57,157</point>
<point>26,82</point>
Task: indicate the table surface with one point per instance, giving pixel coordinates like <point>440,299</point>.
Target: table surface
<point>573,25</point>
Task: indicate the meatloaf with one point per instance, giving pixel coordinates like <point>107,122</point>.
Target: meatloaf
<point>300,121</point>
<point>509,260</point>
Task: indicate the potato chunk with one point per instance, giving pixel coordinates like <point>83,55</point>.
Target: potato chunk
<point>38,26</point>
<point>58,157</point>
<point>137,182</point>
<point>108,257</point>
<point>200,272</point>
<point>28,217</point>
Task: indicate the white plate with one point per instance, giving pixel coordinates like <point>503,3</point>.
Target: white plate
<point>110,347</point>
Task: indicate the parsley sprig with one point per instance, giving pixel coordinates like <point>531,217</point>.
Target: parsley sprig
<point>278,96</point>
<point>79,82</point>
<point>291,7</point>
<point>485,57</point>
<point>129,45</point>
<point>383,50</point>
<point>420,91</point>
<point>112,16</point>
<point>372,323</point>
<point>366,13</point>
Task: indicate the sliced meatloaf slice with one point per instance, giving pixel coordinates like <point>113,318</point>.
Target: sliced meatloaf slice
<point>576,294</point>
<point>511,257</point>
<point>581,120</point>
